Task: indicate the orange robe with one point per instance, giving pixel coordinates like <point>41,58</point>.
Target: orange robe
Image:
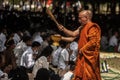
<point>87,64</point>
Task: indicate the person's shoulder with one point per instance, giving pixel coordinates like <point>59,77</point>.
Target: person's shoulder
<point>93,25</point>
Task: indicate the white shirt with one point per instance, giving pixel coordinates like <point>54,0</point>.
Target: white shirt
<point>64,56</point>
<point>113,41</point>
<point>37,37</point>
<point>27,58</point>
<point>2,42</point>
<point>55,56</point>
<point>19,49</point>
<point>73,56</point>
<point>1,73</point>
<point>67,76</point>
<point>16,38</point>
<point>74,48</point>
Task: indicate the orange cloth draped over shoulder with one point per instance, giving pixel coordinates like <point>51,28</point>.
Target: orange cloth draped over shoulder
<point>87,63</point>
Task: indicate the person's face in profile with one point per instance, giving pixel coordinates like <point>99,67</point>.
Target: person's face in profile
<point>82,18</point>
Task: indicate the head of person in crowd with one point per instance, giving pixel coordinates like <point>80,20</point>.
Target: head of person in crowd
<point>10,35</point>
<point>72,65</point>
<point>42,74</point>
<point>10,44</point>
<point>3,29</point>
<point>46,40</point>
<point>47,52</point>
<point>19,74</point>
<point>27,40</point>
<point>63,44</point>
<point>46,36</point>
<point>116,33</point>
<point>35,47</point>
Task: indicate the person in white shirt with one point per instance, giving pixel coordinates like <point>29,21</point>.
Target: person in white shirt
<point>29,56</point>
<point>37,37</point>
<point>25,43</point>
<point>63,57</point>
<point>55,56</point>
<point>113,41</point>
<point>17,38</point>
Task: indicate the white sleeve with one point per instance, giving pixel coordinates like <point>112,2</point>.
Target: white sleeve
<point>29,61</point>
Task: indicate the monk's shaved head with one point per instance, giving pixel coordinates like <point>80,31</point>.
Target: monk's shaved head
<point>87,13</point>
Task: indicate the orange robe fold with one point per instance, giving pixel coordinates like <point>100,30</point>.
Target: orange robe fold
<point>87,64</point>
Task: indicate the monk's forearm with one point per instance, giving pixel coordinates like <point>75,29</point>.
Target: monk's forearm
<point>68,32</point>
<point>68,39</point>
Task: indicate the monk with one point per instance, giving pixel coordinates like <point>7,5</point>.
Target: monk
<point>89,33</point>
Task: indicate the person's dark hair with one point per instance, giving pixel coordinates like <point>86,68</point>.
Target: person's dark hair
<point>63,44</point>
<point>19,74</point>
<point>9,42</point>
<point>53,75</point>
<point>72,65</point>
<point>36,44</point>
<point>26,38</point>
<point>42,74</point>
<point>47,51</point>
<point>45,36</point>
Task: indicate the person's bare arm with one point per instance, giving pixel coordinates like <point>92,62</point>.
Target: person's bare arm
<point>69,32</point>
<point>68,39</point>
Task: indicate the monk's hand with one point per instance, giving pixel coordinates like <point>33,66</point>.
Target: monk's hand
<point>60,27</point>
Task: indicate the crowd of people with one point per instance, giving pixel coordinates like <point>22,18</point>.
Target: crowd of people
<point>28,53</point>
<point>26,46</point>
